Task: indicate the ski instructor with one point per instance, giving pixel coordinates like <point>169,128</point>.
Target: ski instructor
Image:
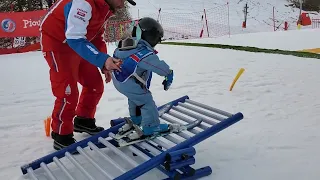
<point>72,44</point>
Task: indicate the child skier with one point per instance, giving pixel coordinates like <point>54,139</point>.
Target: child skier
<point>139,60</point>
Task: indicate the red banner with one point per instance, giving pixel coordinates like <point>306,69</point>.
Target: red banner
<point>21,24</point>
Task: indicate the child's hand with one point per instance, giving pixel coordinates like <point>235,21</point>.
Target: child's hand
<point>168,81</point>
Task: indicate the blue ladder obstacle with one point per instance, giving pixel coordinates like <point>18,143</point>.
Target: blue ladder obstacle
<point>172,154</point>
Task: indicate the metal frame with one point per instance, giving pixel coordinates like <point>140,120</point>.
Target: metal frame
<point>152,151</point>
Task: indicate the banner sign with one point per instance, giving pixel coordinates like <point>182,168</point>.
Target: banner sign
<point>21,24</point>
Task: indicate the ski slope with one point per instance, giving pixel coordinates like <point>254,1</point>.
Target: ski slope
<point>293,40</point>
<point>277,139</point>
<point>259,19</point>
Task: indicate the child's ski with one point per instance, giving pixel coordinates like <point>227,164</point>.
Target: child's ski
<point>125,141</point>
<point>128,121</point>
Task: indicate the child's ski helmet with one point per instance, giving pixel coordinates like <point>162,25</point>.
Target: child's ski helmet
<point>149,30</point>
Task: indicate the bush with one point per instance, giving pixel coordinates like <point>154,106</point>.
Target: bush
<point>307,5</point>
<point>120,16</point>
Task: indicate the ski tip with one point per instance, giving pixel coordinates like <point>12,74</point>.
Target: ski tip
<point>166,108</point>
<point>194,124</point>
<point>199,120</point>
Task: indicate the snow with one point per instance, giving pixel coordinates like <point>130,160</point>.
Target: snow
<point>277,139</point>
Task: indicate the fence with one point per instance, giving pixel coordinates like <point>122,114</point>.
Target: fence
<point>315,23</point>
<point>213,22</point>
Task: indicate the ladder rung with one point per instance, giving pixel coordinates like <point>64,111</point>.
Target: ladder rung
<point>161,143</point>
<point>153,150</point>
<point>196,116</point>
<point>76,163</point>
<point>95,164</point>
<point>139,153</point>
<point>117,151</point>
<point>184,135</point>
<point>63,168</point>
<point>47,170</point>
<point>187,106</point>
<point>173,139</point>
<point>105,156</point>
<point>31,174</point>
<point>219,111</point>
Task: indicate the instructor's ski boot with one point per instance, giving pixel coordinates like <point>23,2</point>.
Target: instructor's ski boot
<point>62,141</point>
<point>87,125</point>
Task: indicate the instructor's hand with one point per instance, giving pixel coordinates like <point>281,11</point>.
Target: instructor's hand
<point>107,75</point>
<point>112,64</point>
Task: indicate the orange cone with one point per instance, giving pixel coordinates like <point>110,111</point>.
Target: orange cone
<point>47,124</point>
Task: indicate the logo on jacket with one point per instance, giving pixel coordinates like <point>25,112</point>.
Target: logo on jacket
<point>68,90</point>
<point>81,12</point>
<point>8,25</point>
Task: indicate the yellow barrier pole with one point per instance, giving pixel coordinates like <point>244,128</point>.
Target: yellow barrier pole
<point>236,78</point>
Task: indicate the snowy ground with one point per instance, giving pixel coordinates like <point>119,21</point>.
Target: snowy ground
<point>284,40</point>
<point>277,139</point>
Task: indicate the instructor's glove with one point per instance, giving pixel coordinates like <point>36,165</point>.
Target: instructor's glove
<point>168,81</point>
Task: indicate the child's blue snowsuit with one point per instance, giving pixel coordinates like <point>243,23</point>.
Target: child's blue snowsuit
<point>144,58</point>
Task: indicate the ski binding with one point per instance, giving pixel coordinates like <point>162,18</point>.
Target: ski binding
<point>125,141</point>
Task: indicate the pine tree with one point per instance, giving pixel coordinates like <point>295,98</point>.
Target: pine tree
<point>311,5</point>
<point>21,5</point>
<point>307,5</point>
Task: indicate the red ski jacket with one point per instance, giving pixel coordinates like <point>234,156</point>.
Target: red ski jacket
<point>76,26</point>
